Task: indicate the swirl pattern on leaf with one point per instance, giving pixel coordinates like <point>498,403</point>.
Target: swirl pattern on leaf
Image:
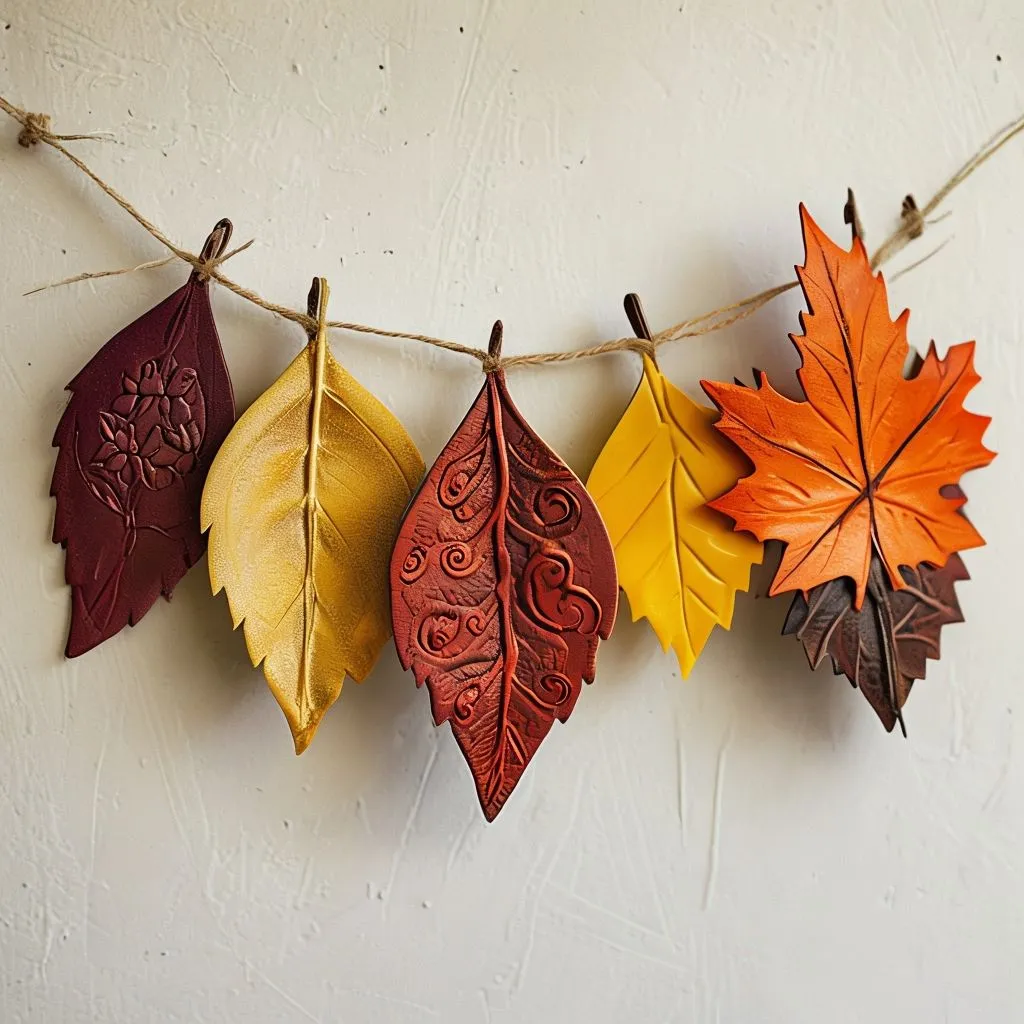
<point>503,583</point>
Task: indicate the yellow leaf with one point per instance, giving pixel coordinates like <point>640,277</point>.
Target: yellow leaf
<point>303,503</point>
<point>680,563</point>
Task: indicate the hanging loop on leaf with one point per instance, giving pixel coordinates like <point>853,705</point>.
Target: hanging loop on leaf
<point>851,216</point>
<point>316,307</point>
<point>214,251</point>
<point>638,321</point>
<point>912,217</point>
<point>493,361</point>
<point>217,241</point>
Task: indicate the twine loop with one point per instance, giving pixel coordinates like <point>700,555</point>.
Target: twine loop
<point>643,347</point>
<point>491,361</point>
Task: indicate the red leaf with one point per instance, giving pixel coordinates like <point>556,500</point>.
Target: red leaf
<point>131,529</point>
<point>502,583</point>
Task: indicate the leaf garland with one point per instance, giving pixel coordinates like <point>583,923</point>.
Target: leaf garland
<point>679,562</point>
<point>503,577</point>
<point>303,503</point>
<point>147,414</point>
<point>503,583</point>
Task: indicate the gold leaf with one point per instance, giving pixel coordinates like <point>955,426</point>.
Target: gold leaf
<point>303,504</point>
<point>680,563</point>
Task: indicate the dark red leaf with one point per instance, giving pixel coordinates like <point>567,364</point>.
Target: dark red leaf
<point>502,583</point>
<point>130,526</point>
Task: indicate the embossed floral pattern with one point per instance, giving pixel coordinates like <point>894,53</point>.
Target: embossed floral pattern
<point>150,435</point>
<point>145,416</point>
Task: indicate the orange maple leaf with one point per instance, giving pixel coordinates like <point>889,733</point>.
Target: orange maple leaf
<point>859,465</point>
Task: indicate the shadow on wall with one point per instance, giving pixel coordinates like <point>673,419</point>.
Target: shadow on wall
<point>778,686</point>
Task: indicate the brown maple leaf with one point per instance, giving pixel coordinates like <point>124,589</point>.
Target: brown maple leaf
<point>857,468</point>
<point>883,647</point>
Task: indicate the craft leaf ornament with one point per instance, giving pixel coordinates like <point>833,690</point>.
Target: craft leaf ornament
<point>303,503</point>
<point>859,479</point>
<point>503,583</point>
<point>146,415</point>
<point>858,467</point>
<point>902,625</point>
<point>679,562</point>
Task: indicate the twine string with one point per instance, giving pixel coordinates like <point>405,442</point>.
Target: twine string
<point>205,268</point>
<point>36,128</point>
<point>93,275</point>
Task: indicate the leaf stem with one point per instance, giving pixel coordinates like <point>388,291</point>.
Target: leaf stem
<point>318,296</point>
<point>503,583</point>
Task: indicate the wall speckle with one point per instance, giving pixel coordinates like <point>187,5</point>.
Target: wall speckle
<point>745,846</point>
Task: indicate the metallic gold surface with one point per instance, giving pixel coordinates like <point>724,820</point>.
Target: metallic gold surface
<point>303,503</point>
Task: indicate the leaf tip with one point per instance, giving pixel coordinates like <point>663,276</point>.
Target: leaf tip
<point>316,301</point>
<point>76,646</point>
<point>493,796</point>
<point>712,388</point>
<point>685,664</point>
<point>303,736</point>
<point>809,227</point>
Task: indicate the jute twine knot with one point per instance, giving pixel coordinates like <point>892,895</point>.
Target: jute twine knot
<point>491,364</point>
<point>643,347</point>
<point>35,129</point>
<point>206,267</point>
<point>206,263</point>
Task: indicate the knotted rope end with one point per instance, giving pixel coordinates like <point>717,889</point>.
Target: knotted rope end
<point>35,129</point>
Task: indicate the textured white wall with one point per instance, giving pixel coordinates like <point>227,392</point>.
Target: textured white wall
<point>747,847</point>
